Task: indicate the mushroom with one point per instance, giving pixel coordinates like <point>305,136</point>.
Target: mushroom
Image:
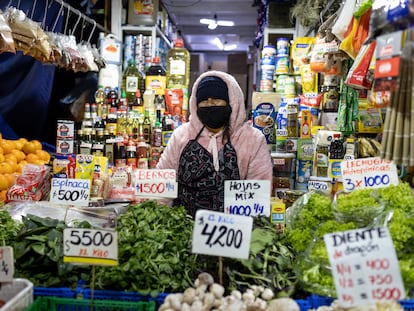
<point>283,304</point>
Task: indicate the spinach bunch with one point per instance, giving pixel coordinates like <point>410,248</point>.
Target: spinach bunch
<point>8,228</point>
<point>154,251</point>
<point>38,252</point>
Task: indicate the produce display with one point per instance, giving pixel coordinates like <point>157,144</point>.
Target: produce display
<point>14,155</point>
<point>312,216</point>
<point>208,295</point>
<point>154,247</point>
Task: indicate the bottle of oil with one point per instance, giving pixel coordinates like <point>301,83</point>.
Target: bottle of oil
<point>132,80</point>
<point>178,65</point>
<point>155,77</point>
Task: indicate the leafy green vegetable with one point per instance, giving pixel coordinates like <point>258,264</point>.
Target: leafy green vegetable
<point>270,263</point>
<point>154,251</point>
<point>38,251</point>
<point>8,228</point>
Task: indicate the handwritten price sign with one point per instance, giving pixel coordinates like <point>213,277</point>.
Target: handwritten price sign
<point>6,264</point>
<point>222,234</point>
<point>155,183</point>
<point>90,246</point>
<point>70,191</point>
<point>364,266</point>
<point>368,173</point>
<point>247,197</point>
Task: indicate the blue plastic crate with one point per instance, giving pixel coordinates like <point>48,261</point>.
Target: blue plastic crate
<point>318,301</point>
<point>304,304</point>
<point>407,304</point>
<point>62,292</point>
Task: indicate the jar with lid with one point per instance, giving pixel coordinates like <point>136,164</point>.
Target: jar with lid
<point>280,186</point>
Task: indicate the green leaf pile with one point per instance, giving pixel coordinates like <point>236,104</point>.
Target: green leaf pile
<point>154,251</point>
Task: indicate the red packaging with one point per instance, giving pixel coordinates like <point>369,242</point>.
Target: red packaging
<point>359,75</point>
<point>174,101</point>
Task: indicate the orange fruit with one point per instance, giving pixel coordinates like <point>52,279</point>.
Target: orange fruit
<point>11,178</point>
<point>6,168</point>
<point>7,146</point>
<point>43,155</point>
<point>31,158</point>
<point>39,162</point>
<point>37,144</point>
<point>18,144</point>
<point>1,150</point>
<point>3,195</point>
<point>20,155</point>
<point>31,146</point>
<point>11,158</point>
<point>20,166</point>
<point>2,157</point>
<point>4,182</point>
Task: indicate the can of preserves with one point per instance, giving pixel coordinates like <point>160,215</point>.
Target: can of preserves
<point>282,47</point>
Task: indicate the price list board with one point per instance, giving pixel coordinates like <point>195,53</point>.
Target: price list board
<point>90,246</point>
<point>220,234</point>
<point>247,197</point>
<point>68,191</point>
<point>364,266</point>
<point>368,173</point>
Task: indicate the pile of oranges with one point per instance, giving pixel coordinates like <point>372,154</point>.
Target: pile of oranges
<point>14,154</point>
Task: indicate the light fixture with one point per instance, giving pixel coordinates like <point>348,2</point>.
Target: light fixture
<point>224,46</point>
<point>213,23</point>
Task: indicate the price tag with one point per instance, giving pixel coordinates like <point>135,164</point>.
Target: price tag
<point>368,173</point>
<point>70,191</point>
<point>222,234</point>
<point>6,264</point>
<point>90,246</point>
<point>247,197</point>
<point>364,266</point>
<point>155,183</point>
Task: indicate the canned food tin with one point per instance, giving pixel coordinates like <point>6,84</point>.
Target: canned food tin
<point>282,47</point>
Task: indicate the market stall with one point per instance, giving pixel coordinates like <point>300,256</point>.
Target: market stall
<point>89,221</point>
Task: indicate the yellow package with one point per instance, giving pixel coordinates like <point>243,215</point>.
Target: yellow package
<point>85,166</point>
<point>301,52</point>
<point>309,80</point>
<point>101,165</point>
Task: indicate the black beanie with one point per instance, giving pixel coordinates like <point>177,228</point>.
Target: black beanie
<point>214,87</point>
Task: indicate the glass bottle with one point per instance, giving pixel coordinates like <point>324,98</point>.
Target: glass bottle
<point>132,80</point>
<point>98,145</point>
<point>137,105</point>
<point>146,127</point>
<point>131,153</point>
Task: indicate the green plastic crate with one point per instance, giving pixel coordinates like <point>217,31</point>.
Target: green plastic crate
<point>68,304</point>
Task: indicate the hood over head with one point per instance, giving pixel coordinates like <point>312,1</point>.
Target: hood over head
<point>208,82</point>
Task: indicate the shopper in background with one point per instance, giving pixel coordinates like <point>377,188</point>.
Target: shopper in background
<point>217,144</point>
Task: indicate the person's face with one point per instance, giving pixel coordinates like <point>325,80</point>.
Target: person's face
<point>211,102</point>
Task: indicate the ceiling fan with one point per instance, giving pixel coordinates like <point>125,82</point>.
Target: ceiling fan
<point>213,23</point>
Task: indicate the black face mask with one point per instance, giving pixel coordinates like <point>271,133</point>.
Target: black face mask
<point>214,116</point>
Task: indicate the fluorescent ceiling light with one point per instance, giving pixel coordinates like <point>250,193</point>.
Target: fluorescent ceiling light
<point>223,46</point>
<point>229,47</point>
<point>206,21</point>
<point>218,43</point>
<point>212,26</point>
<point>225,23</point>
